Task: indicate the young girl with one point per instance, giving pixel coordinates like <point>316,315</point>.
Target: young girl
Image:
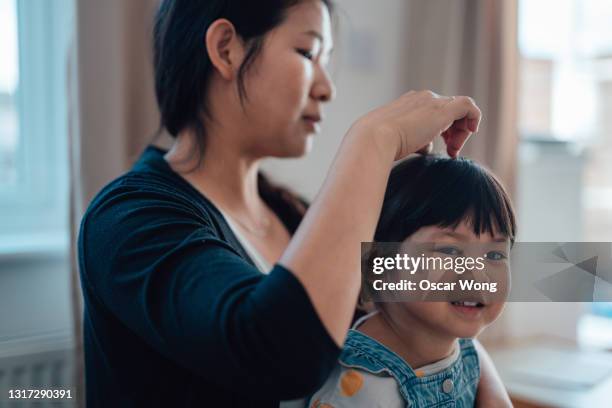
<point>422,353</point>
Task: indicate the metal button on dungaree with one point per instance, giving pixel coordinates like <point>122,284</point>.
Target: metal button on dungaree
<point>447,386</point>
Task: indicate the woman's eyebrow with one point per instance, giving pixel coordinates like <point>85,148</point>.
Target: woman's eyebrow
<point>314,33</point>
<point>318,36</point>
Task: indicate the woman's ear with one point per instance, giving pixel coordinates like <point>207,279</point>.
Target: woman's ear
<point>224,47</point>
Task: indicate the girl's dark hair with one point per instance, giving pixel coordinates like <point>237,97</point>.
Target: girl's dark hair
<point>435,190</point>
<point>183,68</point>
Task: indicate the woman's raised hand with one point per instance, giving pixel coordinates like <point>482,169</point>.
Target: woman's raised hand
<point>410,123</point>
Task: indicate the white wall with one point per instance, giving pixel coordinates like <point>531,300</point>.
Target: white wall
<point>35,296</point>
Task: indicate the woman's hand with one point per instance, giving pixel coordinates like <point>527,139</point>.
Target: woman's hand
<point>410,123</point>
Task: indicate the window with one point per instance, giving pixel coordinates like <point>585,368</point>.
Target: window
<point>565,100</point>
<point>9,76</point>
<point>566,96</point>
<point>33,124</point>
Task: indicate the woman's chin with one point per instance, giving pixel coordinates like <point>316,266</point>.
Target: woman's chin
<point>307,145</point>
<point>297,148</point>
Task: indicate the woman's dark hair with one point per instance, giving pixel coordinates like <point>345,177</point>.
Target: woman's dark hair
<point>436,190</point>
<point>183,68</point>
<point>181,62</point>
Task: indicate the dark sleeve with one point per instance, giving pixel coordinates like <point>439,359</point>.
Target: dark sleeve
<point>165,274</point>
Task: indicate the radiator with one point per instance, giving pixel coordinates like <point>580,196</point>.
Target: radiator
<point>42,362</point>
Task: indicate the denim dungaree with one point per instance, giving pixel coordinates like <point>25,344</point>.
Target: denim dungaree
<point>371,375</point>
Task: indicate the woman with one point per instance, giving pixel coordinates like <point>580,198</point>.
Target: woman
<point>200,288</point>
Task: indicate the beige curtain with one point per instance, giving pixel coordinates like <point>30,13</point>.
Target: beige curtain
<point>113,114</point>
<point>469,47</point>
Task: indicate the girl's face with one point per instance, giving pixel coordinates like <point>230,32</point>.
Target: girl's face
<point>453,319</point>
<point>288,83</point>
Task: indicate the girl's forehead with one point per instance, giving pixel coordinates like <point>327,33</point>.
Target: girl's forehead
<point>464,231</point>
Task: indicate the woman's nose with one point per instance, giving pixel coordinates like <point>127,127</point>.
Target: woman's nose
<point>323,89</point>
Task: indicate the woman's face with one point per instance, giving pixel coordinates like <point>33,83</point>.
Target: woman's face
<point>454,318</point>
<point>288,84</point>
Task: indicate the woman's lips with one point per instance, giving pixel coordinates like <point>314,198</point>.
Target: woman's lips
<point>315,117</point>
<point>312,122</point>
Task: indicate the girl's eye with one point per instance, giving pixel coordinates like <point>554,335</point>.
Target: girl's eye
<point>306,54</point>
<point>449,250</point>
<point>495,255</point>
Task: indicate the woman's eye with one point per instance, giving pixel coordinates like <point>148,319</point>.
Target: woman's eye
<point>306,54</point>
<point>495,255</point>
<point>449,250</point>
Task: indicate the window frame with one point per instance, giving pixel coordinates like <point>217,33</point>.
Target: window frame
<point>35,207</point>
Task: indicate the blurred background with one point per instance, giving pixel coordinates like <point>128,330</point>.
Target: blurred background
<point>77,107</point>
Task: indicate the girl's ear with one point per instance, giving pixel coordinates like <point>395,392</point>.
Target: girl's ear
<point>225,48</point>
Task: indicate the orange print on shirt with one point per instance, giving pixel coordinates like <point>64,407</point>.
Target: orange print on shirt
<point>350,383</point>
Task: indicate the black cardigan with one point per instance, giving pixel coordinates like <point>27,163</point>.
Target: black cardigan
<point>176,314</point>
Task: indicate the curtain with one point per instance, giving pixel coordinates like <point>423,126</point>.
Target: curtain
<point>112,110</point>
<point>469,47</point>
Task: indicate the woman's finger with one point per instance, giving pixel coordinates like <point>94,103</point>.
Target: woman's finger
<point>466,119</point>
<point>457,143</point>
<point>456,136</point>
<point>473,125</point>
<point>425,150</point>
<point>463,107</point>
